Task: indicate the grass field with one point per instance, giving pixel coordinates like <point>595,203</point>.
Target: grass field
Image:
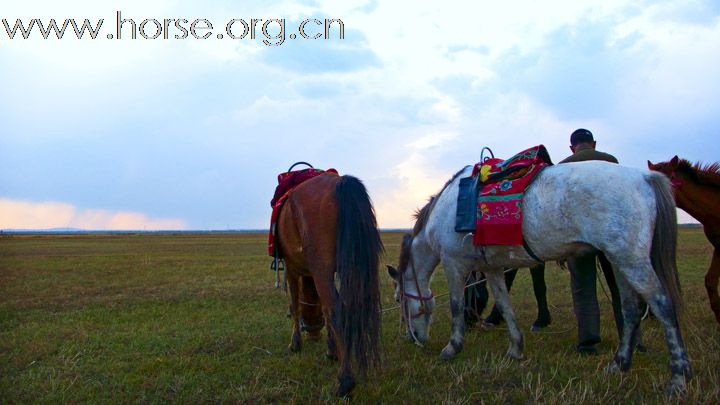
<point>194,318</point>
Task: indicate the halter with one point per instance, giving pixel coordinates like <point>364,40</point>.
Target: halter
<point>675,182</point>
<point>424,308</point>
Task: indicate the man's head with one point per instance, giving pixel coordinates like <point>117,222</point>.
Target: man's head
<point>581,137</point>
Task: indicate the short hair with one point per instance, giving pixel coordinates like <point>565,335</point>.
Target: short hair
<point>581,135</point>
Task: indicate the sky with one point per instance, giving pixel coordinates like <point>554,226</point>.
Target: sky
<point>151,134</point>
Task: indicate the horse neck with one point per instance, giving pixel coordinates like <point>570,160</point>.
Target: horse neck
<point>417,252</point>
<point>699,200</point>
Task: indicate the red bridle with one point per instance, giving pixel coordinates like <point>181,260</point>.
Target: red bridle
<point>424,310</point>
<point>674,180</point>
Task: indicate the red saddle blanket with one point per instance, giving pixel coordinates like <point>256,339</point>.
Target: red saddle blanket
<point>287,182</point>
<point>499,206</point>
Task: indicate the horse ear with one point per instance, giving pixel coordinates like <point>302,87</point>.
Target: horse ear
<point>674,162</point>
<point>651,166</point>
<point>407,240</point>
<point>393,272</point>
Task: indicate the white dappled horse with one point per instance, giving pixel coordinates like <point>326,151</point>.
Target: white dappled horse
<point>569,209</point>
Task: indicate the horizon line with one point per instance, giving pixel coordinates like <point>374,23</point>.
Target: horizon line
<point>248,230</point>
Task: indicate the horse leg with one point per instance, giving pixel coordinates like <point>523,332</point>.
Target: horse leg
<point>631,325</point>
<point>310,308</point>
<point>456,286</point>
<point>495,317</point>
<point>332,353</point>
<point>502,300</point>
<point>618,302</point>
<point>329,298</point>
<point>540,289</point>
<point>711,284</point>
<point>294,285</point>
<point>643,280</point>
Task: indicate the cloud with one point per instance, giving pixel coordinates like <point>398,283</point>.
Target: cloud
<point>416,177</point>
<point>21,214</point>
<point>575,72</point>
<point>199,129</point>
<point>314,56</point>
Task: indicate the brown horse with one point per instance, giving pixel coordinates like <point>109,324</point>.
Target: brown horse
<point>328,226</point>
<point>697,191</point>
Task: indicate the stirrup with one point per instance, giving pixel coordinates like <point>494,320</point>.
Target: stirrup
<point>278,265</point>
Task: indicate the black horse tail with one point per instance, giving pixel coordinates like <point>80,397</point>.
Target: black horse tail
<point>664,243</point>
<point>357,256</point>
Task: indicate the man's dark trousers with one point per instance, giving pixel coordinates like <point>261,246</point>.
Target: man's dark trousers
<point>583,273</point>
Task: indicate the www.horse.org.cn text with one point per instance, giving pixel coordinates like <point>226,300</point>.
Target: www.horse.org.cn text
<point>270,31</point>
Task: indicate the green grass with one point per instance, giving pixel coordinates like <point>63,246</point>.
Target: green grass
<point>195,318</point>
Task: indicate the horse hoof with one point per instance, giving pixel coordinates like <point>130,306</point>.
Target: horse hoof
<point>493,320</point>
<point>294,345</point>
<point>612,368</point>
<point>345,386</point>
<point>538,325</point>
<point>676,386</point>
<point>447,354</point>
<point>488,325</point>
<point>515,355</point>
<point>295,342</point>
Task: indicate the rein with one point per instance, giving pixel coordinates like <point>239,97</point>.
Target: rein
<point>420,298</point>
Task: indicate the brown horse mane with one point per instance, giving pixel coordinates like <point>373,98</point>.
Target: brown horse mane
<point>423,214</point>
<point>708,174</point>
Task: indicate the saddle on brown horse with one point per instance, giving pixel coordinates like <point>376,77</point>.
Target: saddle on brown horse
<point>287,181</point>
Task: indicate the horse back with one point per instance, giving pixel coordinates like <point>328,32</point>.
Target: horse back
<point>600,204</point>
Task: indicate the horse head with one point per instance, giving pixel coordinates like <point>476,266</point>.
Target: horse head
<point>416,308</point>
<point>665,167</point>
<point>669,169</point>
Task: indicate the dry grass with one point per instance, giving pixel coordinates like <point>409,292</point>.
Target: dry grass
<point>194,318</point>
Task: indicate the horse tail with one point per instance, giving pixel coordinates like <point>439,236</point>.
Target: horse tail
<point>664,243</point>
<point>357,256</point>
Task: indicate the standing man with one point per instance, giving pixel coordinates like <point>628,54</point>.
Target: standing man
<point>583,272</point>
